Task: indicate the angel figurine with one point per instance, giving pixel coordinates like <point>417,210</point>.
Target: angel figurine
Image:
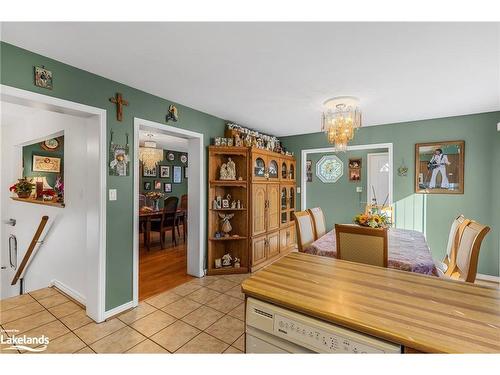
<point>226,260</point>
<point>226,225</point>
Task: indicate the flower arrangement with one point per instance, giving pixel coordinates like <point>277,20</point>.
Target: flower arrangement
<point>154,195</point>
<point>22,188</point>
<point>48,194</point>
<point>371,220</point>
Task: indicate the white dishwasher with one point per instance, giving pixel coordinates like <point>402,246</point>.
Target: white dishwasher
<point>271,329</point>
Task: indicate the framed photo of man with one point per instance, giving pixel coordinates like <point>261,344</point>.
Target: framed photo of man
<point>439,167</point>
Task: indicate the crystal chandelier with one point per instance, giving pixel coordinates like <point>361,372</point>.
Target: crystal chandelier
<point>149,154</point>
<point>341,117</point>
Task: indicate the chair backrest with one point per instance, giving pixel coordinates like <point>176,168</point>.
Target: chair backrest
<point>304,228</point>
<point>456,231</point>
<point>465,265</point>
<point>142,200</point>
<point>169,210</point>
<point>318,219</point>
<point>184,201</point>
<point>362,244</point>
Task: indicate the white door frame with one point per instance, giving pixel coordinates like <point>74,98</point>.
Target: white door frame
<point>197,190</point>
<point>374,146</point>
<point>368,161</point>
<point>95,298</point>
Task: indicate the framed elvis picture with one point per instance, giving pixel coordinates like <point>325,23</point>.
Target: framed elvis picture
<point>177,174</point>
<point>439,167</point>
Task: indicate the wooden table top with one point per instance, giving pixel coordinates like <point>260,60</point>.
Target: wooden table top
<point>418,311</point>
<point>157,213</point>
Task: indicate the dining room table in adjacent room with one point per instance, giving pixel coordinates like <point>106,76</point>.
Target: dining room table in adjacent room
<point>407,250</point>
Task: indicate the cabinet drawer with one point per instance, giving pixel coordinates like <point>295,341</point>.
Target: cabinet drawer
<point>258,250</point>
<point>273,247</point>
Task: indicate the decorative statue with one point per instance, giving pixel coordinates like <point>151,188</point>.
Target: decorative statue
<point>223,172</point>
<point>236,262</point>
<point>228,170</point>
<point>226,225</point>
<point>226,260</point>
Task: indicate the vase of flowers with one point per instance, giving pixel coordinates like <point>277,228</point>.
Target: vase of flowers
<point>371,220</point>
<point>155,196</point>
<point>22,188</point>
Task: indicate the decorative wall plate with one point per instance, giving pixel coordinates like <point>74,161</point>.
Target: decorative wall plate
<point>50,144</point>
<point>171,156</point>
<point>329,169</point>
<point>184,159</point>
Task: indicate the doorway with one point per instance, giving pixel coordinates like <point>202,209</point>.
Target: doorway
<point>378,178</point>
<point>179,255</point>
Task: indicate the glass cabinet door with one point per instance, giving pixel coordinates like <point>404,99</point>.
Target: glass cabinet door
<point>284,205</point>
<point>259,168</point>
<point>273,169</point>
<point>291,171</point>
<point>284,171</point>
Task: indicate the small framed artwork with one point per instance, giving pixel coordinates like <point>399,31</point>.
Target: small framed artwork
<point>167,187</point>
<point>439,167</point>
<point>46,164</point>
<point>225,203</point>
<point>354,170</point>
<point>149,172</point>
<point>185,172</point>
<point>217,141</point>
<point>157,185</point>
<point>309,172</point>
<point>177,174</point>
<point>147,185</point>
<point>165,171</point>
<point>43,77</point>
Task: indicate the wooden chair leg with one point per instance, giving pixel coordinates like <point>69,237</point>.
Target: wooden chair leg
<point>174,237</point>
<point>162,239</point>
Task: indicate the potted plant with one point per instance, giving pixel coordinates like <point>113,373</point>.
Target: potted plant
<point>22,188</point>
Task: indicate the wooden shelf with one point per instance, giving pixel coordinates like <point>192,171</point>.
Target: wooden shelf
<point>36,201</point>
<point>226,270</point>
<point>228,183</point>
<point>228,238</point>
<point>228,209</point>
<point>229,150</point>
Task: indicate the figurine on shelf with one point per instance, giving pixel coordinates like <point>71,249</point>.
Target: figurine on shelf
<point>238,142</point>
<point>236,262</point>
<point>218,263</point>
<point>226,260</point>
<point>226,225</point>
<point>238,204</point>
<point>228,170</point>
<point>233,204</point>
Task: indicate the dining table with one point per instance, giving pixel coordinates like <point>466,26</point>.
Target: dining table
<point>407,250</point>
<point>145,217</point>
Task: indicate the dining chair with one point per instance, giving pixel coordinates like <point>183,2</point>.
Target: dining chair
<point>318,219</point>
<point>362,244</point>
<point>304,229</point>
<point>142,200</point>
<point>456,230</point>
<point>464,267</point>
<point>183,216</point>
<point>167,220</point>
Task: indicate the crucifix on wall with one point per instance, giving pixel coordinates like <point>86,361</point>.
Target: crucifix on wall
<point>120,102</point>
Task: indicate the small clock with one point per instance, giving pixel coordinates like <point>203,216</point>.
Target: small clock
<point>171,156</point>
<point>184,159</point>
<point>50,144</point>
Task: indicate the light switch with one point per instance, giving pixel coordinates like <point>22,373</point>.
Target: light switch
<point>359,189</point>
<point>112,194</point>
<point>298,189</point>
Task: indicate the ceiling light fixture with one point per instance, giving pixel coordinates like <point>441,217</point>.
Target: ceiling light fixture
<point>341,117</point>
<point>149,154</point>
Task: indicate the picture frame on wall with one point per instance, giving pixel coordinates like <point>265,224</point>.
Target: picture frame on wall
<point>164,171</point>
<point>167,187</point>
<point>157,185</point>
<point>46,164</point>
<point>149,172</point>
<point>177,173</point>
<point>439,167</point>
<point>147,185</point>
<point>309,172</point>
<point>354,169</point>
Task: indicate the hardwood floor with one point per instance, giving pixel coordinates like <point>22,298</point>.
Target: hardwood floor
<point>161,270</point>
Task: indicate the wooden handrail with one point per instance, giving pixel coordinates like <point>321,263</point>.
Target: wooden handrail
<point>30,250</point>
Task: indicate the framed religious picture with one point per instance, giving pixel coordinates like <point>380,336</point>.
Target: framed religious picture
<point>147,185</point>
<point>439,167</point>
<point>149,172</point>
<point>157,185</point>
<point>43,77</point>
<point>355,170</point>
<point>309,172</point>
<point>46,164</point>
<point>167,187</point>
<point>165,171</point>
<point>177,174</point>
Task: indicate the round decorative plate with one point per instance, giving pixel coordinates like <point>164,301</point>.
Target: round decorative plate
<point>171,156</point>
<point>50,144</point>
<point>184,159</point>
<point>329,169</point>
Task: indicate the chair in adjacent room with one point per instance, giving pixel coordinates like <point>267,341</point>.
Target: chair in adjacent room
<point>362,244</point>
<point>318,219</point>
<point>167,221</point>
<point>183,216</point>
<point>456,231</point>
<point>464,267</point>
<point>304,229</point>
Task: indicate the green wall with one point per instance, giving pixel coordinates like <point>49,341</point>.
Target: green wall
<point>177,189</point>
<point>83,87</point>
<point>342,201</point>
<point>433,213</point>
<point>36,149</point>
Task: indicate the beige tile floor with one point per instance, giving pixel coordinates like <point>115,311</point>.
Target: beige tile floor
<point>201,316</point>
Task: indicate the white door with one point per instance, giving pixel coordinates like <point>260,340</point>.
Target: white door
<point>378,178</point>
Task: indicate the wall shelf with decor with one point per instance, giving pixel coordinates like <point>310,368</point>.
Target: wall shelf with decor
<point>228,209</point>
<point>38,201</point>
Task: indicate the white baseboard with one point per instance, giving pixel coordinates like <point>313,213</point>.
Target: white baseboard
<point>495,279</point>
<point>119,309</point>
<point>77,296</point>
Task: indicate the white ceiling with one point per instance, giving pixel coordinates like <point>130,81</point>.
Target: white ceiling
<point>164,141</point>
<point>274,76</point>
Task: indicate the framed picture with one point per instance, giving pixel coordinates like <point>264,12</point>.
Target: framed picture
<point>157,185</point>
<point>46,164</point>
<point>147,185</point>
<point>439,167</point>
<point>177,174</point>
<point>167,187</point>
<point>354,170</point>
<point>185,172</point>
<point>225,203</point>
<point>149,172</point>
<point>43,77</point>
<point>309,172</point>
<point>165,171</point>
